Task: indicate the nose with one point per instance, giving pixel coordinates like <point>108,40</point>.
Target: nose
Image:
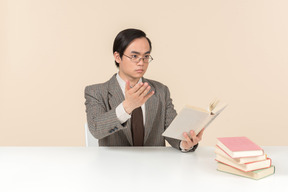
<point>141,61</point>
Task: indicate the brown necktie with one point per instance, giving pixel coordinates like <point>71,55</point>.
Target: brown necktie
<point>137,127</point>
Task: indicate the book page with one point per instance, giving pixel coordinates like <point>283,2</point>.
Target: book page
<point>213,116</point>
<point>188,119</point>
<point>219,108</point>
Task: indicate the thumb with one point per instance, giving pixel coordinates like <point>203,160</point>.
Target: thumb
<point>127,87</point>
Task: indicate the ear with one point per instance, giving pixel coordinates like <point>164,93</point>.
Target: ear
<point>117,57</point>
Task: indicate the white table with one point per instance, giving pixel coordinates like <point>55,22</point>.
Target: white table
<point>127,169</point>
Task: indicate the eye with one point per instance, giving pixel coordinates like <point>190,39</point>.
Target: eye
<point>147,56</point>
<point>134,56</point>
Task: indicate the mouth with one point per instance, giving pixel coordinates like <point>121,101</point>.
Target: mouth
<point>139,70</point>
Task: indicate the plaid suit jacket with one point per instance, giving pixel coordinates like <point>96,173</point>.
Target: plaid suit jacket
<point>101,102</point>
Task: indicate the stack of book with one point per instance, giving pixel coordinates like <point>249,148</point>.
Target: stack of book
<point>240,156</point>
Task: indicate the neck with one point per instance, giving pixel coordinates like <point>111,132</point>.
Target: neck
<point>132,81</point>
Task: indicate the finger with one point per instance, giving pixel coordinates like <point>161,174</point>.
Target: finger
<point>194,137</point>
<point>127,87</point>
<point>146,90</point>
<point>136,87</point>
<point>187,138</point>
<point>147,96</point>
<point>142,89</point>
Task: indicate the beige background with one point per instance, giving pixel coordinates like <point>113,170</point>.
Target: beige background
<point>232,50</point>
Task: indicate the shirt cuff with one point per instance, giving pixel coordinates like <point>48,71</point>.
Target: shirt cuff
<point>121,114</point>
<point>187,150</point>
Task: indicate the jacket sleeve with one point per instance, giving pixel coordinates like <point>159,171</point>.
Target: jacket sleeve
<point>102,121</point>
<point>170,115</point>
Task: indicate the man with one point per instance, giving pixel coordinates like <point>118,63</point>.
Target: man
<point>129,110</point>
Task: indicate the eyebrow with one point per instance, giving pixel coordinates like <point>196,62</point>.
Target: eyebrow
<point>139,53</point>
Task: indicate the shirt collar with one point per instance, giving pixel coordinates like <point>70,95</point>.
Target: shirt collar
<point>122,83</point>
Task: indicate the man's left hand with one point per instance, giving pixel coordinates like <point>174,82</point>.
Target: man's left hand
<point>191,139</point>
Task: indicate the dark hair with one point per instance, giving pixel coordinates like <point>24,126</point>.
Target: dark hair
<point>124,38</point>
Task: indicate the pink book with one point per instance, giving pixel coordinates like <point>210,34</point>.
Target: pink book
<point>237,147</point>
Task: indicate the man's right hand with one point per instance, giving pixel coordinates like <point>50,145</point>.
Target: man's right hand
<point>136,96</point>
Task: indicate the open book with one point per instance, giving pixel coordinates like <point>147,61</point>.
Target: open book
<point>193,118</point>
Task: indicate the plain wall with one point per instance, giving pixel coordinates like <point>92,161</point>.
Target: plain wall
<point>228,49</point>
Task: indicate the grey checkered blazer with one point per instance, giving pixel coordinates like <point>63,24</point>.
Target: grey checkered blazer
<point>101,102</point>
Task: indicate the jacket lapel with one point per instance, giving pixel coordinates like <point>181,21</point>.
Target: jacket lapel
<point>150,111</point>
<point>115,98</point>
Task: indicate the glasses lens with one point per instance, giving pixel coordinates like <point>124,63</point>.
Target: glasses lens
<point>135,59</point>
<point>146,59</point>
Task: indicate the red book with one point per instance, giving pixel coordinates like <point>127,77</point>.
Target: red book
<point>237,147</point>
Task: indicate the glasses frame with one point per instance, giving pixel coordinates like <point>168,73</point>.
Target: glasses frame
<point>150,59</point>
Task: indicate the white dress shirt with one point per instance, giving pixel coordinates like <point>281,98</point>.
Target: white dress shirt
<point>120,111</point>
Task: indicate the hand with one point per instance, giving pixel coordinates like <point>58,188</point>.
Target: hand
<point>136,96</point>
<point>189,142</point>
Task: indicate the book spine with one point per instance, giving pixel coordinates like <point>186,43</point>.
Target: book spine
<point>242,169</point>
<point>237,156</point>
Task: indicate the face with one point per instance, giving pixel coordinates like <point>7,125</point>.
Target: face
<point>129,70</point>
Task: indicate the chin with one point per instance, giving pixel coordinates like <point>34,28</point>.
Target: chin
<point>139,74</point>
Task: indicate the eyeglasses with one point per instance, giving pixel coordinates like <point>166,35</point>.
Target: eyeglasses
<point>137,59</point>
